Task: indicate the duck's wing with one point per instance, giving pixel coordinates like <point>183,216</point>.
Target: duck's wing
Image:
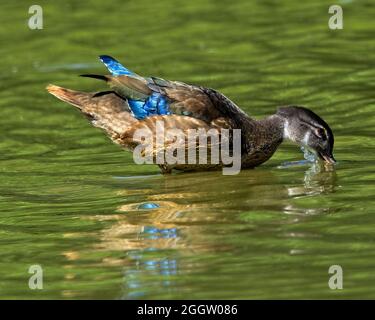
<point>110,112</point>
<point>155,96</point>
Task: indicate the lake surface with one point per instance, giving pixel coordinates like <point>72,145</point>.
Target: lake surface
<point>76,204</point>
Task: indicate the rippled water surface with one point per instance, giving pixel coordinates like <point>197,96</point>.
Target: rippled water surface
<point>103,227</point>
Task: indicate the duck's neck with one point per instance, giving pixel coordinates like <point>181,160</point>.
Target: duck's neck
<point>273,127</point>
<point>265,135</point>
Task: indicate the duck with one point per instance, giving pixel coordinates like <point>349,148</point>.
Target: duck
<point>134,103</point>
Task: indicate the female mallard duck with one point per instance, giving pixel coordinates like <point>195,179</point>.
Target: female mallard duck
<point>135,102</point>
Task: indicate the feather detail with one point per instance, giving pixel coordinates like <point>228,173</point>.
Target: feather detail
<point>107,111</point>
<point>115,67</point>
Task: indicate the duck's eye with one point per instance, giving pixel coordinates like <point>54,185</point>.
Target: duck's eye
<point>321,133</point>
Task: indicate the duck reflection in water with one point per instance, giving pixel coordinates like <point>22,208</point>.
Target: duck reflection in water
<point>171,217</point>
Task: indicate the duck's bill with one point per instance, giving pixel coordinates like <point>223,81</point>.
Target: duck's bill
<point>328,158</point>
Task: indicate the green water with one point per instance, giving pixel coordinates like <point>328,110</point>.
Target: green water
<point>69,198</point>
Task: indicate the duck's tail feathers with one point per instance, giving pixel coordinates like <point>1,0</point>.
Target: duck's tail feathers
<point>75,98</point>
<point>105,110</point>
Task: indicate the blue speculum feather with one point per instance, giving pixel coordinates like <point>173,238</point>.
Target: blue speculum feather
<point>155,104</point>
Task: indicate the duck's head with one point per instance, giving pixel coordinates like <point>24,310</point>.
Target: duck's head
<point>307,129</point>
